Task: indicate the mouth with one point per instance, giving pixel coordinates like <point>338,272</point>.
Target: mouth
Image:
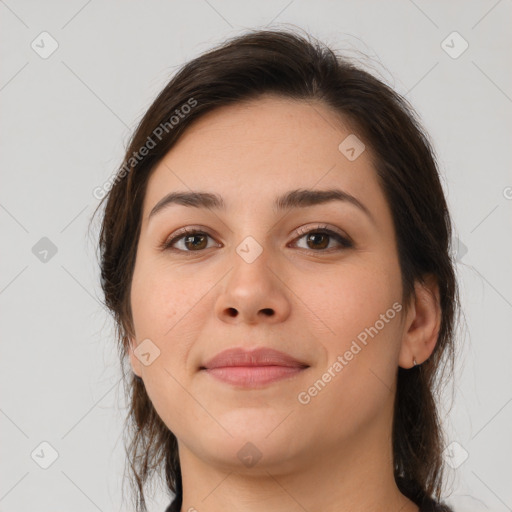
<point>252,369</point>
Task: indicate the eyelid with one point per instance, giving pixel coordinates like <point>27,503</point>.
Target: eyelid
<point>344,240</point>
<point>304,230</point>
<point>192,230</point>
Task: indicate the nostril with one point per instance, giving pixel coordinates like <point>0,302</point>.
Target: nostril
<point>268,311</point>
<point>232,312</point>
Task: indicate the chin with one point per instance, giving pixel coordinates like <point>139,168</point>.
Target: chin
<point>252,447</point>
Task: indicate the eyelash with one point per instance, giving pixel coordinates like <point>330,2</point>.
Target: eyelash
<point>344,242</point>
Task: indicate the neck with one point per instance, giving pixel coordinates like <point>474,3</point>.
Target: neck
<point>356,475</point>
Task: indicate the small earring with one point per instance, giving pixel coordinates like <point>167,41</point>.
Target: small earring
<point>414,362</point>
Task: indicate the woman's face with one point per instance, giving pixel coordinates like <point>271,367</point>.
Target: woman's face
<point>253,278</point>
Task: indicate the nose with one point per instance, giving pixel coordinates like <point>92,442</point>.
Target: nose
<point>254,292</point>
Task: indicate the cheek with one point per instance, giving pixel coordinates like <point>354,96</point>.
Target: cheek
<point>355,315</point>
<point>160,308</point>
<point>169,310</point>
<point>158,299</point>
<point>360,335</point>
<point>152,307</point>
<point>348,300</point>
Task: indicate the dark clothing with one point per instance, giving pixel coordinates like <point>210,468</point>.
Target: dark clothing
<point>427,506</point>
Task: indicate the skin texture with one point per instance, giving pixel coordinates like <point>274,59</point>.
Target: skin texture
<point>333,453</point>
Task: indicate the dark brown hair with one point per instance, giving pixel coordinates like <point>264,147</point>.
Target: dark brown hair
<point>290,65</point>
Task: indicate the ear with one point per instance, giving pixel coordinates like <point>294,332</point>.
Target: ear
<point>422,323</point>
<point>134,360</point>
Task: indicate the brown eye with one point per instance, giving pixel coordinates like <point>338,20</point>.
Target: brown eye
<point>190,240</point>
<point>319,239</point>
<point>198,241</point>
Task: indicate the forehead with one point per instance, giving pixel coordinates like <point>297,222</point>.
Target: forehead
<point>253,150</point>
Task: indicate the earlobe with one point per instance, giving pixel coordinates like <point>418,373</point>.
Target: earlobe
<point>423,323</point>
<point>136,364</point>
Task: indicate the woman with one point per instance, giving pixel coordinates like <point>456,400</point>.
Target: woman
<point>275,250</point>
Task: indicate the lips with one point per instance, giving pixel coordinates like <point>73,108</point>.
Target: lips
<point>257,357</point>
<point>252,369</point>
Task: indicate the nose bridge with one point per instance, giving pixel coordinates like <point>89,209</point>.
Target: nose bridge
<point>251,234</point>
<point>254,238</point>
<point>255,256</point>
<point>252,265</point>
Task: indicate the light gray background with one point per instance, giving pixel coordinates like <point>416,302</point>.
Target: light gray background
<point>65,121</point>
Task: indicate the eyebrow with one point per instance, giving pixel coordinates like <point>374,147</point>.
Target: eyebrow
<point>299,198</point>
